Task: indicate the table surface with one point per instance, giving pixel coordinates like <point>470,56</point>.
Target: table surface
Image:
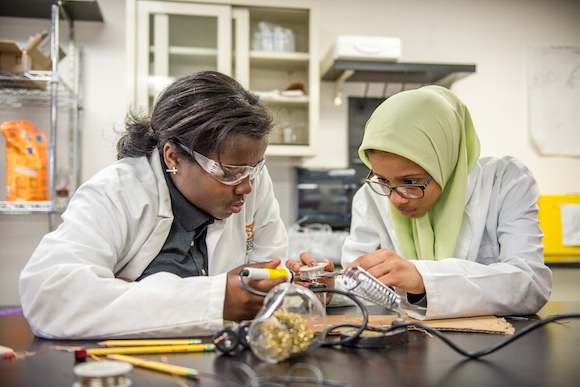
<point>548,356</point>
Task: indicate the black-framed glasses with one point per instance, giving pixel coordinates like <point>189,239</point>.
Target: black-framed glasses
<point>407,191</point>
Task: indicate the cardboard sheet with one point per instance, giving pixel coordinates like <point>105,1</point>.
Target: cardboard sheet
<point>481,324</point>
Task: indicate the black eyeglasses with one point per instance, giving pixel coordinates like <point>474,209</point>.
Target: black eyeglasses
<point>407,191</point>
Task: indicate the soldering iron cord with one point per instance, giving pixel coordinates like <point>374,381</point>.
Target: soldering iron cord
<point>400,323</point>
<point>487,351</point>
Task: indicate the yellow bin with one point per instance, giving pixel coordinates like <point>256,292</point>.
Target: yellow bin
<point>550,218</point>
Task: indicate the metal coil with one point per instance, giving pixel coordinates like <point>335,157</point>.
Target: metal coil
<point>362,284</point>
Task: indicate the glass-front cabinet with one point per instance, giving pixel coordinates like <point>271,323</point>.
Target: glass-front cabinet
<point>268,49</point>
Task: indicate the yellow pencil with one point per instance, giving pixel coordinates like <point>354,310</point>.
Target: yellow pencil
<point>137,343</point>
<point>158,366</point>
<point>152,349</point>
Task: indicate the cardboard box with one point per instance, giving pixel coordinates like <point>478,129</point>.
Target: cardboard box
<point>11,57</point>
<point>34,55</point>
<point>38,49</point>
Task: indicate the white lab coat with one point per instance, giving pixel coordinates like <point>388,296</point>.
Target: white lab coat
<point>114,226</point>
<point>498,267</point>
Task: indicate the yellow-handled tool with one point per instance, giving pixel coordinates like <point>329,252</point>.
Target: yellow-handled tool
<point>260,273</point>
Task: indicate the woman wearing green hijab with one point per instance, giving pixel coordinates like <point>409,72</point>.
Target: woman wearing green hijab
<point>457,235</point>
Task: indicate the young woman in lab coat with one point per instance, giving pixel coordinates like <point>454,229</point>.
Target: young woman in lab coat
<point>456,235</point>
<point>151,246</point>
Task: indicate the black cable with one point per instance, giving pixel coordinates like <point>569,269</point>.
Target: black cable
<point>487,351</point>
<point>362,327</point>
<point>399,324</point>
<point>245,273</point>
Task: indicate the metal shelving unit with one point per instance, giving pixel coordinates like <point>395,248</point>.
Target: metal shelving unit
<point>47,89</point>
<point>32,89</point>
<point>19,208</point>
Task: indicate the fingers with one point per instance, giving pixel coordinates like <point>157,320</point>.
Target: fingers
<point>307,259</point>
<point>269,265</point>
<point>355,263</point>
<point>329,265</point>
<point>293,265</point>
<point>392,270</point>
<point>239,304</point>
<point>373,259</point>
<point>266,285</point>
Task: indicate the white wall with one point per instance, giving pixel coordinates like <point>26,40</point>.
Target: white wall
<point>493,34</point>
<point>105,106</point>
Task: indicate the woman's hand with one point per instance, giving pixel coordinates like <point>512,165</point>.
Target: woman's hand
<point>239,304</point>
<point>392,270</point>
<point>307,260</point>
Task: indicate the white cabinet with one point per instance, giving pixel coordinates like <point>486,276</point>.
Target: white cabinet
<point>168,39</point>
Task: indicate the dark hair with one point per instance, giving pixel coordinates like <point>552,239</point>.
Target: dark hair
<point>200,110</point>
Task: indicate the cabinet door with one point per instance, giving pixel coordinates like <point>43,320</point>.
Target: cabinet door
<point>174,39</point>
<point>284,72</point>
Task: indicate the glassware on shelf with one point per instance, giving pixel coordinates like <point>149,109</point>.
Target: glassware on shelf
<point>273,38</point>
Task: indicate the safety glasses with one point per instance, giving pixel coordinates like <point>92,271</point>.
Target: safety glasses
<point>226,174</point>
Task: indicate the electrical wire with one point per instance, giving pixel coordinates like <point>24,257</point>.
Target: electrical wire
<point>473,354</point>
<point>244,273</point>
<point>362,326</point>
<point>493,348</point>
<point>400,323</point>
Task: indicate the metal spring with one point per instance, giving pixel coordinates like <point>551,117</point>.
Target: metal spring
<point>362,284</point>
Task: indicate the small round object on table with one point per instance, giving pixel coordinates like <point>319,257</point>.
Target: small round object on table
<point>243,333</point>
<point>226,340</point>
<point>103,373</point>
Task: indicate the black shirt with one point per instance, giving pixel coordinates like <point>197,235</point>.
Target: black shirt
<point>185,251</point>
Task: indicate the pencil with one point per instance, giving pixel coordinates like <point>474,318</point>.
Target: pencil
<point>137,343</point>
<point>152,349</point>
<point>158,366</point>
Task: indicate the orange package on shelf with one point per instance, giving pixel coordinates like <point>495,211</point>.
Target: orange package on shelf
<point>26,161</point>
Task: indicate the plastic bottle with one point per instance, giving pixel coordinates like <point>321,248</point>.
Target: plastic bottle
<point>289,45</point>
<point>267,38</point>
<point>256,43</point>
<point>278,39</point>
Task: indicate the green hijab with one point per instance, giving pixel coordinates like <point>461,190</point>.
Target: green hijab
<point>431,127</point>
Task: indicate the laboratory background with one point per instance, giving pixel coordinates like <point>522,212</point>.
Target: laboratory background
<point>516,65</point>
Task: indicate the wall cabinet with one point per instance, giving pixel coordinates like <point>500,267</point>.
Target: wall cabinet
<point>267,48</point>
